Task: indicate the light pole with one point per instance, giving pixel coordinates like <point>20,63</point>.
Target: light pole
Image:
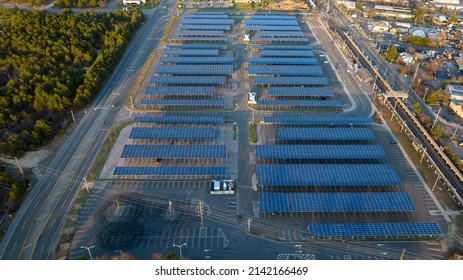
<point>180,248</point>
<point>88,250</point>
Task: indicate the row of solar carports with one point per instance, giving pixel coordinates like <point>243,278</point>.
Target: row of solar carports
<point>375,231</point>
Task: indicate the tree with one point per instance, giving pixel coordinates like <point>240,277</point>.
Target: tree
<point>437,133</point>
<point>453,18</point>
<point>419,16</point>
<point>434,97</point>
<point>417,108</point>
<point>391,54</point>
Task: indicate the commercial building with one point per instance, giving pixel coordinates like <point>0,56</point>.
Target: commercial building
<point>456,99</point>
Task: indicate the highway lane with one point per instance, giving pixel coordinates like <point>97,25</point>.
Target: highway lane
<point>34,232</point>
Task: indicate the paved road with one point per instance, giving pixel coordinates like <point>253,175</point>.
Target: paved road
<point>34,232</point>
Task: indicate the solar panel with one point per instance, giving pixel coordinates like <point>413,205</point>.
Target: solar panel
<point>374,230</point>
<point>301,103</point>
<point>286,53</point>
<point>283,47</point>
<point>170,171</point>
<point>335,202</point>
<point>174,151</point>
<point>188,80</point>
<point>281,34</point>
<point>180,91</point>
<point>278,39</point>
<point>197,60</point>
<point>180,119</point>
<point>317,120</point>
<point>194,69</point>
<point>273,17</point>
<point>296,81</point>
<point>300,91</point>
<point>249,27</point>
<point>326,133</point>
<point>320,152</point>
<point>283,61</point>
<point>191,52</point>
<point>219,47</point>
<point>206,16</point>
<point>286,70</point>
<point>172,133</point>
<point>183,103</point>
<point>204,27</point>
<point>186,21</point>
<point>200,39</point>
<point>292,22</point>
<point>199,33</point>
<point>327,175</point>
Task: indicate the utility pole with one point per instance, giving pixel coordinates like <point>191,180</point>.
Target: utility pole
<point>455,132</point>
<point>424,153</point>
<point>72,114</point>
<point>425,93</point>
<point>416,72</point>
<point>435,183</point>
<point>131,101</point>
<point>20,168</point>
<point>249,224</point>
<point>437,117</point>
<point>393,110</point>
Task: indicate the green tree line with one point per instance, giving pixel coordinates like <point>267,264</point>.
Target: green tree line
<point>52,63</point>
<point>80,3</point>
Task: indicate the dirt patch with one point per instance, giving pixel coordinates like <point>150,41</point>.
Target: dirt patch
<point>287,5</point>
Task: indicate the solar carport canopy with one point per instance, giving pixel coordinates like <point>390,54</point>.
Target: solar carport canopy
<point>180,90</point>
<point>192,52</point>
<point>188,80</point>
<point>180,119</point>
<point>325,133</point>
<point>252,27</point>
<point>327,175</point>
<point>374,230</point>
<point>172,133</point>
<point>301,103</point>
<point>170,171</point>
<point>195,69</point>
<point>174,151</point>
<point>187,21</point>
<point>197,60</point>
<point>335,202</point>
<point>291,81</point>
<point>320,152</point>
<point>301,91</point>
<point>286,70</point>
<point>317,120</point>
<point>288,22</point>
<point>204,27</point>
<point>287,53</point>
<point>283,61</point>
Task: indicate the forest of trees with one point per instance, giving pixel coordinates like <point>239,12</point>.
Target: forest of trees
<point>52,63</point>
<point>80,3</point>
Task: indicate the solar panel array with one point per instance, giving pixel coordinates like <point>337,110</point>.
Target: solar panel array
<point>286,53</point>
<point>204,27</point>
<point>282,61</point>
<point>188,80</point>
<point>281,34</point>
<point>286,70</point>
<point>178,39</point>
<point>335,202</point>
<point>267,40</point>
<point>326,133</point>
<point>317,120</point>
<point>180,119</point>
<point>298,91</point>
<point>174,151</point>
<point>192,52</point>
<point>252,27</point>
<point>170,171</point>
<point>194,69</point>
<point>199,103</point>
<point>218,47</point>
<point>283,47</point>
<point>206,16</point>
<point>200,21</point>
<point>180,91</point>
<point>206,33</point>
<point>327,175</point>
<point>197,60</point>
<point>272,17</point>
<point>320,152</point>
<point>291,81</point>
<point>374,230</point>
<point>289,22</point>
<point>334,104</point>
<point>172,133</point>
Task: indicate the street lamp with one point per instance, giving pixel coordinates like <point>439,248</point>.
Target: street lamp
<point>88,250</point>
<point>180,248</point>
